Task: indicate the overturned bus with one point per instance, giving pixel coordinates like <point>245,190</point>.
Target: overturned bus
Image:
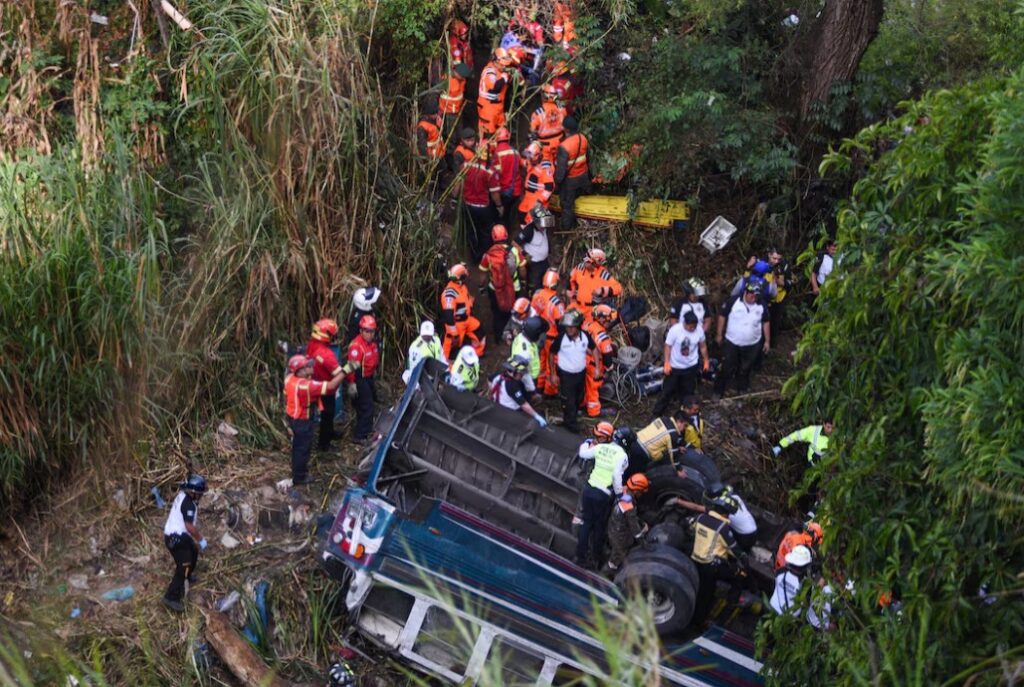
<point>455,550</point>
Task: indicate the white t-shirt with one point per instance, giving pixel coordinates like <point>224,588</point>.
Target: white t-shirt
<point>183,510</point>
<point>783,600</point>
<point>742,521</point>
<point>744,320</point>
<point>684,346</point>
<point>825,267</point>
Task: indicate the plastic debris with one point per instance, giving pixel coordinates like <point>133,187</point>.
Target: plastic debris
<point>717,235</point>
<point>224,603</point>
<point>160,503</point>
<point>229,542</point>
<point>259,617</point>
<point>76,612</point>
<point>119,594</point>
<point>120,499</point>
<point>98,19</point>
<point>78,581</point>
<point>284,485</point>
<point>201,656</point>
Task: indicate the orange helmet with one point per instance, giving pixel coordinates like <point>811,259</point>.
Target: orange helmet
<point>814,529</point>
<point>458,272</point>
<point>532,151</point>
<point>460,28</point>
<point>502,135</point>
<point>604,431</point>
<point>297,362</point>
<point>638,483</point>
<point>596,256</point>
<point>521,307</point>
<point>549,92</point>
<point>325,330</point>
<point>499,233</point>
<point>603,312</point>
<point>551,278</point>
<point>368,322</point>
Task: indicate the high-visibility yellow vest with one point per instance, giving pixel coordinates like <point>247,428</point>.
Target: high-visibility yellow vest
<point>606,458</point>
<point>524,347</point>
<point>709,544</point>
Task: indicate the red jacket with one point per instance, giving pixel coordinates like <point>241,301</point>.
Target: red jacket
<point>479,183</point>
<point>366,354</point>
<point>325,363</point>
<point>506,165</point>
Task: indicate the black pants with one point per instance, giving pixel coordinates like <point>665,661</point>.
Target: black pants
<point>478,229</point>
<point>597,506</point>
<point>508,205</point>
<point>737,361</point>
<point>572,188</point>
<point>776,312</point>
<point>302,446</point>
<point>638,460</point>
<point>327,422</point>
<point>746,540</point>
<point>366,394</point>
<point>708,575</point>
<point>499,318</point>
<point>570,389</point>
<point>535,274</point>
<point>675,387</point>
<point>186,554</point>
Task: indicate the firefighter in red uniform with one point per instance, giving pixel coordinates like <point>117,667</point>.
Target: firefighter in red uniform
<point>363,356</point>
<point>508,165</point>
<point>540,183</point>
<point>303,399</point>
<point>591,283</point>
<point>546,123</point>
<point>550,307</point>
<point>325,367</point>
<point>460,327</point>
<point>596,328</point>
<point>481,195</point>
<point>459,49</point>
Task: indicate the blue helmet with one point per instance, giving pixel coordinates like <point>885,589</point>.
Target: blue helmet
<point>196,483</point>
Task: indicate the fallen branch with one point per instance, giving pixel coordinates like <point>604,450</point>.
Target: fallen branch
<point>238,654</point>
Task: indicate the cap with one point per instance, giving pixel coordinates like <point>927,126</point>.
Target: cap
<point>467,132</point>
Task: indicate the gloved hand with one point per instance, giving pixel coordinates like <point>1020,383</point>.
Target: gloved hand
<point>667,368</point>
<point>541,421</point>
<point>203,544</point>
<point>776,450</point>
<point>352,390</point>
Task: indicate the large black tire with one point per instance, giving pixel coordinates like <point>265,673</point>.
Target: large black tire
<point>693,459</point>
<point>668,534</point>
<point>666,555</point>
<point>670,594</point>
<point>667,485</point>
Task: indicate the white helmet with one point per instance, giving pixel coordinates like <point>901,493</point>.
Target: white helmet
<point>468,356</point>
<point>799,557</point>
<point>365,298</point>
<point>427,328</point>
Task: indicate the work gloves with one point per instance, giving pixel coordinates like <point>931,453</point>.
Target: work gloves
<point>541,421</point>
<point>203,544</point>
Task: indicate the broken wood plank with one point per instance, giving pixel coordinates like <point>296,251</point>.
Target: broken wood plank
<point>237,653</point>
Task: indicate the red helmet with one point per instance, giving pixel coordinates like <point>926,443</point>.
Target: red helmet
<point>638,483</point>
<point>604,431</point>
<point>325,330</point>
<point>460,29</point>
<point>297,362</point>
<point>551,278</point>
<point>458,272</point>
<point>502,135</point>
<point>499,233</point>
<point>603,312</point>
<point>549,91</point>
<point>368,322</point>
<point>596,256</point>
<point>521,307</point>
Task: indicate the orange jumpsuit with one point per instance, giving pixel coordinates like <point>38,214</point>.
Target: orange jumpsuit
<point>451,101</point>
<point>490,101</point>
<point>429,136</point>
<point>585,279</point>
<point>546,125</point>
<point>604,348</point>
<point>549,306</point>
<point>563,26</point>
<point>540,184</point>
<point>460,327</point>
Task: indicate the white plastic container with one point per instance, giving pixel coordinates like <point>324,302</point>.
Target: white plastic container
<point>717,235</point>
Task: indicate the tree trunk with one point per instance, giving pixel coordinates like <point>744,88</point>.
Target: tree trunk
<point>836,44</point>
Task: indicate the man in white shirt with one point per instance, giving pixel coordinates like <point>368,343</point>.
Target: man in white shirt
<point>744,333</point>
<point>685,347</point>
<point>182,539</point>
<point>823,267</point>
<point>569,353</point>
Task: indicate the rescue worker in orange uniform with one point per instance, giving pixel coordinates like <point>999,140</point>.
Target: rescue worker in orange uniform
<point>591,283</point>
<point>563,24</point>
<point>597,327</point>
<point>363,356</point>
<point>494,81</point>
<point>572,170</point>
<point>460,327</point>
<point>453,97</point>
<point>429,141</point>
<point>303,401</point>
<point>465,151</point>
<point>546,123</point>
<point>550,307</point>
<point>540,183</point>
<point>810,536</point>
<point>508,165</point>
<point>459,49</point>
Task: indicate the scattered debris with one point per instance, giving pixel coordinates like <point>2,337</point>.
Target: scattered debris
<point>240,658</point>
<point>78,581</point>
<point>227,437</point>
<point>160,503</point>
<point>175,16</point>
<point>717,235</point>
<point>225,603</point>
<point>119,594</point>
<point>259,617</point>
<point>284,485</point>
<point>76,612</point>
<point>228,542</point>
<point>120,499</point>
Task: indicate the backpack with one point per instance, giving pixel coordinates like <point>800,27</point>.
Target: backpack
<point>501,276</point>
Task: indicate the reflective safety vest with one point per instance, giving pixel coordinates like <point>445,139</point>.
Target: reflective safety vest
<point>586,278</point>
<point>709,544</point>
<point>607,458</point>
<point>540,184</point>
<point>527,349</point>
<point>815,438</point>
<point>435,150</point>
<point>549,305</point>
<point>658,438</point>
<point>489,78</point>
<point>421,348</point>
<point>303,397</point>
<point>575,147</point>
<point>546,123</point>
<point>456,299</point>
<point>465,377</point>
<point>694,434</point>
